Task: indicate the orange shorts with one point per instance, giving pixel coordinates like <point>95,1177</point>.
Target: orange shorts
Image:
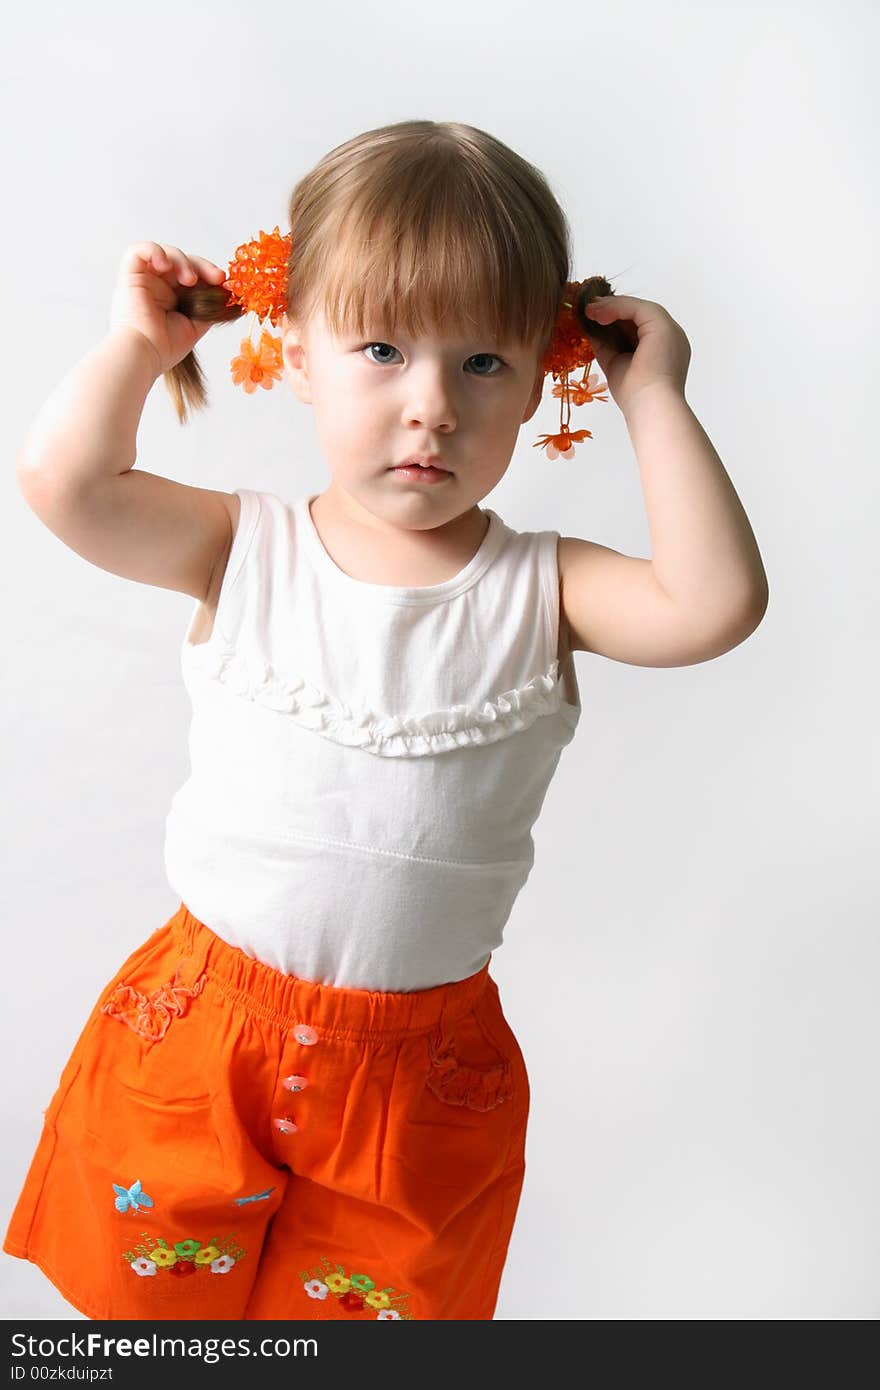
<point>227,1141</point>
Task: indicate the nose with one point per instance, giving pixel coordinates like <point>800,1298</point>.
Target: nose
<point>430,399</point>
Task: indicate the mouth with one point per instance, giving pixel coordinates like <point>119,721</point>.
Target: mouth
<point>421,468</point>
<point>422,461</point>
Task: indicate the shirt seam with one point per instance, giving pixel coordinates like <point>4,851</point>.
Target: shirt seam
<point>296,835</point>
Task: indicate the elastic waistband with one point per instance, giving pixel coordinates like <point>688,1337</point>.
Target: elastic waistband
<point>286,1000</point>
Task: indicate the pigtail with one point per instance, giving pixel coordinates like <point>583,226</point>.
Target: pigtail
<point>186,381</point>
<point>612,335</point>
<point>256,284</point>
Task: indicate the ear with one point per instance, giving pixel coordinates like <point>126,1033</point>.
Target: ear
<point>293,354</point>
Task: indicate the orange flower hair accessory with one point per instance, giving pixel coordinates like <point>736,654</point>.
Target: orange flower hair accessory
<point>257,283</point>
<point>570,348</point>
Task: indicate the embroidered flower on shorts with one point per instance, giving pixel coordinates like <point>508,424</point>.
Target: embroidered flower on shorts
<point>187,1248</point>
<point>356,1293</point>
<point>378,1298</point>
<point>338,1283</point>
<point>354,1302</point>
<point>185,1257</point>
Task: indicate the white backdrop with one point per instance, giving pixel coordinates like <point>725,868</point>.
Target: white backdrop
<point>691,969</point>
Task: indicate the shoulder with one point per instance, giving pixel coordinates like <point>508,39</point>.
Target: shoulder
<point>534,551</point>
<point>247,511</point>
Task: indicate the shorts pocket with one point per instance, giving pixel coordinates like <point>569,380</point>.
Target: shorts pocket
<point>157,1026</point>
<point>135,1111</point>
<point>469,1064</point>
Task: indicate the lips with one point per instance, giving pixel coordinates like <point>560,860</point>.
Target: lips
<point>423,461</point>
<point>421,474</point>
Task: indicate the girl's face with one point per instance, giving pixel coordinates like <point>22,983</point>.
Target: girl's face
<point>380,398</point>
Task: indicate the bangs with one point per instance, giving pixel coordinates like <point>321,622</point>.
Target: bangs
<point>432,250</point>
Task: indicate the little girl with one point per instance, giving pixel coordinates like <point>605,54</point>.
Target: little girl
<point>299,1098</point>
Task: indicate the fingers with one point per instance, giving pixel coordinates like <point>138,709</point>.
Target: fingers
<point>208,270</point>
<point>164,259</point>
<point>609,307</point>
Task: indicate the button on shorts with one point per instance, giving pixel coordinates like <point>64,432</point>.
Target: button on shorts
<point>227,1141</point>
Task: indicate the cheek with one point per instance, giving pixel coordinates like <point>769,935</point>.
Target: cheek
<point>351,421</point>
<point>351,433</point>
<point>503,417</point>
<point>340,404</point>
<point>347,398</point>
<point>504,403</point>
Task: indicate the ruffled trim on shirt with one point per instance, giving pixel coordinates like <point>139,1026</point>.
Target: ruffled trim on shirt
<point>393,736</point>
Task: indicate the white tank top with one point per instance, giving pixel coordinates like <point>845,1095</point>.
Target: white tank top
<point>367,760</point>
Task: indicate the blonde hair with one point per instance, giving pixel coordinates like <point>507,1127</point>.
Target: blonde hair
<point>421,225</point>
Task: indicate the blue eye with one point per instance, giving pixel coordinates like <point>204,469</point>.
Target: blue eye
<point>476,357</point>
<point>488,355</point>
<point>372,345</point>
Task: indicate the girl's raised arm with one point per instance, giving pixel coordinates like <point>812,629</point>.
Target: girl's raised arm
<point>76,469</point>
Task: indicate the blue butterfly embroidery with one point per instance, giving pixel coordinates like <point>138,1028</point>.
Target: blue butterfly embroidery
<point>257,1197</point>
<point>133,1197</point>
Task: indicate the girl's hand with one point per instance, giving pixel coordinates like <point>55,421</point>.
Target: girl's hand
<point>146,295</point>
<point>660,350</point>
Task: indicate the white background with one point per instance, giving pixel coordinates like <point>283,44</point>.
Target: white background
<point>691,969</point>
